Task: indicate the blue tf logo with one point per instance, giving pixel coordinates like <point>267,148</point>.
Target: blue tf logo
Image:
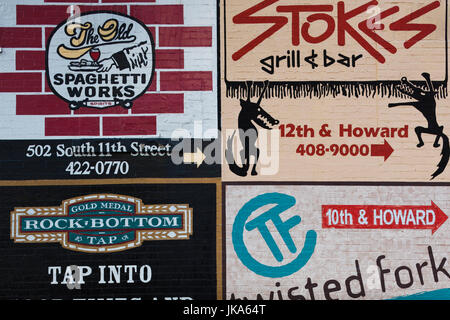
<point>282,203</point>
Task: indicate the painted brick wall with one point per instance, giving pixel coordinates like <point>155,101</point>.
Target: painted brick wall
<point>183,88</point>
<point>336,250</point>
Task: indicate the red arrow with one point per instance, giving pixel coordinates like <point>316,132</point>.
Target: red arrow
<point>383,217</point>
<point>441,217</point>
<point>381,150</point>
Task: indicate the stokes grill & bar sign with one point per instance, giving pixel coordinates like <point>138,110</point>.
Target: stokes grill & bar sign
<point>333,43</point>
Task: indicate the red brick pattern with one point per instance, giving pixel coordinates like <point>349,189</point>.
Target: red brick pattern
<point>112,110</point>
<point>186,81</point>
<point>170,59</point>
<point>54,14</point>
<point>98,1</point>
<point>30,60</point>
<point>81,126</point>
<point>72,1</point>
<point>185,36</point>
<point>17,37</point>
<point>49,30</point>
<point>20,82</point>
<point>35,60</point>
<point>40,105</point>
<point>129,126</point>
<point>159,103</point>
<point>165,95</point>
<point>124,1</point>
<point>154,83</point>
<point>159,14</point>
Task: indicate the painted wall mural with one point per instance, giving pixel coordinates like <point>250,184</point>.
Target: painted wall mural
<point>104,89</point>
<point>224,150</point>
<point>351,91</point>
<point>328,242</point>
<point>336,149</point>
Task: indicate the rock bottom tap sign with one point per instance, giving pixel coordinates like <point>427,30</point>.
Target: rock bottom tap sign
<point>383,217</point>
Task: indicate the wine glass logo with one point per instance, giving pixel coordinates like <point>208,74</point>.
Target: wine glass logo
<point>95,54</point>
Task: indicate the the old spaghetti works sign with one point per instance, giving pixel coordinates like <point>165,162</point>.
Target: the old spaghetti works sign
<point>100,60</point>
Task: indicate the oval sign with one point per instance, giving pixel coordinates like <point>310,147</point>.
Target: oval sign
<point>100,59</point>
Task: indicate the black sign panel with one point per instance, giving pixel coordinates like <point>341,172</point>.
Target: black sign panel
<point>156,269</point>
<point>109,158</point>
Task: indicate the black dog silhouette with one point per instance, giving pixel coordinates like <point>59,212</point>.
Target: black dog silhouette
<point>426,104</point>
<point>251,113</point>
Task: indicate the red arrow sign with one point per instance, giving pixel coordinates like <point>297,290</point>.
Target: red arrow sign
<point>383,217</point>
<point>381,150</point>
